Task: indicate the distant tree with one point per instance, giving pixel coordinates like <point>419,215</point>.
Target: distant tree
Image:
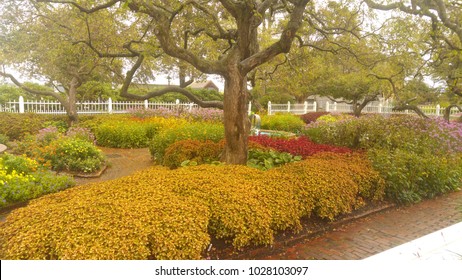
<point>444,33</point>
<point>43,41</point>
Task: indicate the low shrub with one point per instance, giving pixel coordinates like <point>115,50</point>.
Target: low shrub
<point>16,126</point>
<point>115,221</point>
<point>196,114</point>
<point>194,131</point>
<point>417,157</point>
<point>412,177</point>
<point>131,132</point>
<point>329,184</point>
<point>285,122</point>
<point>81,133</point>
<point>46,135</point>
<point>20,164</point>
<point>194,150</point>
<point>21,179</point>
<point>172,214</point>
<point>4,139</point>
<point>300,146</point>
<point>312,116</point>
<point>122,135</point>
<point>375,131</point>
<point>72,155</point>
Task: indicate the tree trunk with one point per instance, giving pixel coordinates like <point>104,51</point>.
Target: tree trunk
<point>71,106</point>
<point>357,108</point>
<point>236,120</point>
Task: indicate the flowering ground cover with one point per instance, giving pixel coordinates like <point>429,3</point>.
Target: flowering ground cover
<point>301,146</point>
<point>174,214</point>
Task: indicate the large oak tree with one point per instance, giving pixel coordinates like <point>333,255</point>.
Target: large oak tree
<point>227,34</point>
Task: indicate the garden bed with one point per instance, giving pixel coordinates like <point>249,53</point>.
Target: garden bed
<point>311,228</point>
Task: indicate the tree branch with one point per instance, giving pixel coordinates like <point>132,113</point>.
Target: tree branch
<point>284,43</point>
<point>80,7</point>
<point>60,98</point>
<point>447,111</point>
<point>178,89</point>
<point>163,34</point>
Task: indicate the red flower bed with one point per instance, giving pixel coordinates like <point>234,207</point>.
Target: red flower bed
<point>301,146</point>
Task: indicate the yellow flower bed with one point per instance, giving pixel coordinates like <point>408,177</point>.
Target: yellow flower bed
<point>172,214</point>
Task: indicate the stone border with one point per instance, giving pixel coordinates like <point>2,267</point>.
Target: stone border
<point>3,148</point>
<point>96,174</point>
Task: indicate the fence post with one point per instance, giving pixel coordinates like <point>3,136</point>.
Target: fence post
<point>146,104</point>
<point>288,106</point>
<point>327,106</point>
<point>305,107</point>
<point>380,108</point>
<point>250,108</point>
<point>269,107</point>
<point>335,106</point>
<point>109,105</point>
<point>438,109</point>
<point>21,105</point>
<point>315,106</point>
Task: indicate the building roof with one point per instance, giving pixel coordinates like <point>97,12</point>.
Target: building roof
<point>204,85</point>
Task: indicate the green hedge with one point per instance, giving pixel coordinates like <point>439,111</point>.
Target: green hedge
<point>16,126</point>
<point>128,132</point>
<point>284,122</point>
<point>412,177</point>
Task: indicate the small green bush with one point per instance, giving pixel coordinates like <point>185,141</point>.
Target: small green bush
<point>194,131</point>
<point>122,135</point>
<point>4,139</point>
<point>285,122</point>
<point>22,179</point>
<point>73,155</point>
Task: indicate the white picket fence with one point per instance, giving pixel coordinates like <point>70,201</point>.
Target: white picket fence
<point>89,107</point>
<point>379,108</point>
<point>110,106</point>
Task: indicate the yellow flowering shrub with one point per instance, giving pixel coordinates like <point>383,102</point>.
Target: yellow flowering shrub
<point>329,184</point>
<point>199,151</point>
<point>120,219</point>
<point>172,214</point>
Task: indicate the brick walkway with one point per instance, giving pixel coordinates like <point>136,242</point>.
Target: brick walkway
<point>375,233</point>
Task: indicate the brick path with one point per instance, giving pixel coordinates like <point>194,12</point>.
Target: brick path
<point>375,233</point>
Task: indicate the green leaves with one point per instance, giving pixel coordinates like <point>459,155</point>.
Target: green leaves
<point>267,159</point>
